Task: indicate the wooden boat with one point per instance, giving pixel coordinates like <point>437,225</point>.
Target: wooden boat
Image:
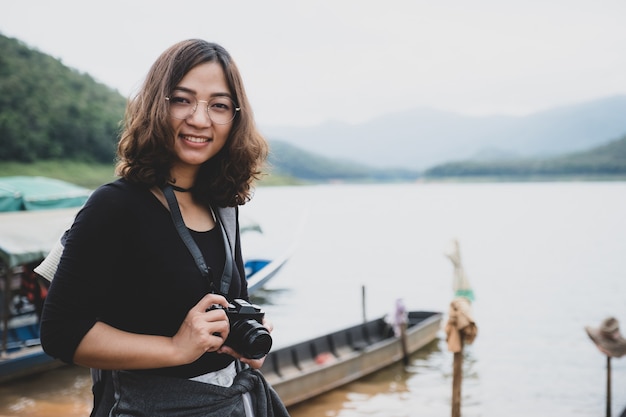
<point>313,367</point>
<point>26,237</point>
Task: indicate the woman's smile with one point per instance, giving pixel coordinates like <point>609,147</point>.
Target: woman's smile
<point>195,139</point>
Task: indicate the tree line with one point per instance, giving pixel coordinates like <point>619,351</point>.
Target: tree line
<point>605,160</point>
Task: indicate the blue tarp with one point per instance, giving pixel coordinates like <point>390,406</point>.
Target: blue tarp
<point>21,193</point>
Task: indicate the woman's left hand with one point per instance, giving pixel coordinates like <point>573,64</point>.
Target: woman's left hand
<point>253,363</point>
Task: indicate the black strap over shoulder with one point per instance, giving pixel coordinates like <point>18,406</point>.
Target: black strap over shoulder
<point>193,247</point>
<point>102,385</point>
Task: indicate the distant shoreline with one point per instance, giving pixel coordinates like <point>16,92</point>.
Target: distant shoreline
<point>92,175</point>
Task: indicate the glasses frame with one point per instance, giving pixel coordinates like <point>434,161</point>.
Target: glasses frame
<point>195,107</point>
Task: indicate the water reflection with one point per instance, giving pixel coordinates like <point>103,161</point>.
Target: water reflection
<point>267,296</point>
<point>62,392</point>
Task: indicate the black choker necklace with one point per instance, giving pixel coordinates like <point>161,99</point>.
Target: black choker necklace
<point>180,189</point>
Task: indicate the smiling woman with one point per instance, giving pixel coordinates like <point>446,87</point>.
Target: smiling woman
<point>147,314</point>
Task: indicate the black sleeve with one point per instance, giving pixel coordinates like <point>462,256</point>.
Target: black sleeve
<point>83,280</point>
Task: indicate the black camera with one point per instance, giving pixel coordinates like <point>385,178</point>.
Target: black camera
<point>247,335</point>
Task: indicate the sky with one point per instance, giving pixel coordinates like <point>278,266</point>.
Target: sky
<point>309,62</point>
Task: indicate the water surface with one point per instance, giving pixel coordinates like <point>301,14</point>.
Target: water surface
<point>545,259</point>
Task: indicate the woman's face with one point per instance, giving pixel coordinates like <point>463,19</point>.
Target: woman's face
<point>198,138</point>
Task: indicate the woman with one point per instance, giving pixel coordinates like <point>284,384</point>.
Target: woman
<point>129,295</point>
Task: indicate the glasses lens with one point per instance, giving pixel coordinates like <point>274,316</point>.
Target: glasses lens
<point>182,105</point>
<point>221,110</point>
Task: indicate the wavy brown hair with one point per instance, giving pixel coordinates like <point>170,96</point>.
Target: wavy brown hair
<point>146,153</point>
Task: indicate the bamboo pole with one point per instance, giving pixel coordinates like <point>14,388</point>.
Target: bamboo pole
<point>457,376</point>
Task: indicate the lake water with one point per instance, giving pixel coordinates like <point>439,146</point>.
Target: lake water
<point>544,260</point>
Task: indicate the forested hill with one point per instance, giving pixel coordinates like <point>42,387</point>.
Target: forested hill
<point>50,111</point>
<point>288,160</point>
<point>607,160</point>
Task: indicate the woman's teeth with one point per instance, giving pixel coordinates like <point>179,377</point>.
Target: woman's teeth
<point>195,139</point>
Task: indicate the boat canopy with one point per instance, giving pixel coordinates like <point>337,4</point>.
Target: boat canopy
<point>28,236</point>
<point>24,193</point>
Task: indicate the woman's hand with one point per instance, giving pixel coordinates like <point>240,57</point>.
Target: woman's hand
<point>105,347</point>
<point>202,331</point>
<point>253,363</point>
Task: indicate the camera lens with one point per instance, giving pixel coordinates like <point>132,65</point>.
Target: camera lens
<point>250,339</point>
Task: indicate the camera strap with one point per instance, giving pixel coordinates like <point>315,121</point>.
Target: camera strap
<point>191,244</point>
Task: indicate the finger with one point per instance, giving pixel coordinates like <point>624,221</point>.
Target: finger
<point>268,325</point>
<point>215,315</point>
<point>213,337</point>
<point>209,300</point>
<point>229,351</point>
<point>221,326</point>
<point>217,342</point>
<point>254,363</point>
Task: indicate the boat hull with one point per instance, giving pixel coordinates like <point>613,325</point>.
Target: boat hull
<point>311,368</point>
<point>28,361</point>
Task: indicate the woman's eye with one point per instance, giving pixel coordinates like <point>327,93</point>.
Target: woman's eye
<point>220,106</point>
<point>180,100</point>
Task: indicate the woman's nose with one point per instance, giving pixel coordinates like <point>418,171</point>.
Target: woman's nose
<point>201,115</point>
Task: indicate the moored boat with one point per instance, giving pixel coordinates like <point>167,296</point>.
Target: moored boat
<point>312,367</point>
<point>26,237</point>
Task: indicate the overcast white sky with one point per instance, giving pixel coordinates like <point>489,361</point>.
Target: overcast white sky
<point>305,62</point>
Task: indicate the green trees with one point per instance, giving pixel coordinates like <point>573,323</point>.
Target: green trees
<point>605,160</point>
<point>49,111</point>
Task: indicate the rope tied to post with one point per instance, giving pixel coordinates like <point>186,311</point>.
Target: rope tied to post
<point>461,328</point>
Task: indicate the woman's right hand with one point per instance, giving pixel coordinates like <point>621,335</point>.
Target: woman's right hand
<point>203,330</point>
<point>105,347</point>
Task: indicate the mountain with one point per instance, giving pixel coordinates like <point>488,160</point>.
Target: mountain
<point>421,138</point>
<point>289,160</point>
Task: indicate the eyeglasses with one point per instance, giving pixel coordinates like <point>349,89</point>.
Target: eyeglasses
<point>221,110</point>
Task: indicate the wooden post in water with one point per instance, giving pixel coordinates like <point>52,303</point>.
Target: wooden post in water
<point>608,386</point>
<point>457,376</point>
<point>363,303</point>
<point>405,350</point>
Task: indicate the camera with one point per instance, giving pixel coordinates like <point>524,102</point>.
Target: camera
<point>247,335</point>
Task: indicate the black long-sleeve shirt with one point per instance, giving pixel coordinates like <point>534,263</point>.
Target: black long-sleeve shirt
<point>124,264</point>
